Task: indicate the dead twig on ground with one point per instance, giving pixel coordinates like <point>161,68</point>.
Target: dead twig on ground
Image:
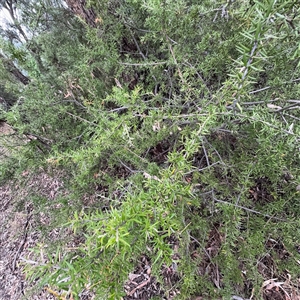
<point>139,286</point>
<point>20,249</point>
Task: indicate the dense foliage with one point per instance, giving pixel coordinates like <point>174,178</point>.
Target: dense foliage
<point>182,118</point>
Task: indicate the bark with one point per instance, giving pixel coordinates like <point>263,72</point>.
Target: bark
<point>11,68</point>
<point>79,8</point>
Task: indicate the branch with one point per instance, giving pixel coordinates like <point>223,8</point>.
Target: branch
<point>11,68</point>
<point>245,72</point>
<point>242,207</point>
<point>144,64</point>
<point>206,156</point>
<point>128,168</point>
<point>260,90</point>
<point>81,119</point>
<point>292,106</point>
<point>200,77</point>
<point>20,249</point>
<point>139,49</point>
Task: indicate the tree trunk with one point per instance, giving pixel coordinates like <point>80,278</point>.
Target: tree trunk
<point>78,7</point>
<point>11,68</point>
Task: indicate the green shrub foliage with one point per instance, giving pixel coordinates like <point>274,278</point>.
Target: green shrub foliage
<point>183,118</point>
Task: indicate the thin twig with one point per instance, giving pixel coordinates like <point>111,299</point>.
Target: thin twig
<point>215,150</point>
<point>191,66</point>
<point>137,45</point>
<point>249,209</point>
<point>206,157</point>
<point>282,116</point>
<point>139,286</point>
<point>248,63</point>
<point>129,169</point>
<point>81,119</point>
<point>260,102</point>
<point>261,121</point>
<point>269,87</point>
<point>260,90</point>
<point>202,169</point>
<point>170,82</point>
<point>144,64</point>
<point>140,51</point>
<point>195,240</point>
<point>20,249</point>
<point>293,117</point>
<point>245,72</point>
<point>41,139</point>
<point>118,109</point>
<point>139,29</point>
<point>292,106</point>
<point>176,63</point>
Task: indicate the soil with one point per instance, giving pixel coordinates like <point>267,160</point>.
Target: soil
<point>17,236</point>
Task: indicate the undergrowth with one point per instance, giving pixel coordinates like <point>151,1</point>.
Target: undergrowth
<point>180,120</point>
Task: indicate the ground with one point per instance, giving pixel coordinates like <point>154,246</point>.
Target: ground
<point>20,221</point>
<point>15,239</point>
